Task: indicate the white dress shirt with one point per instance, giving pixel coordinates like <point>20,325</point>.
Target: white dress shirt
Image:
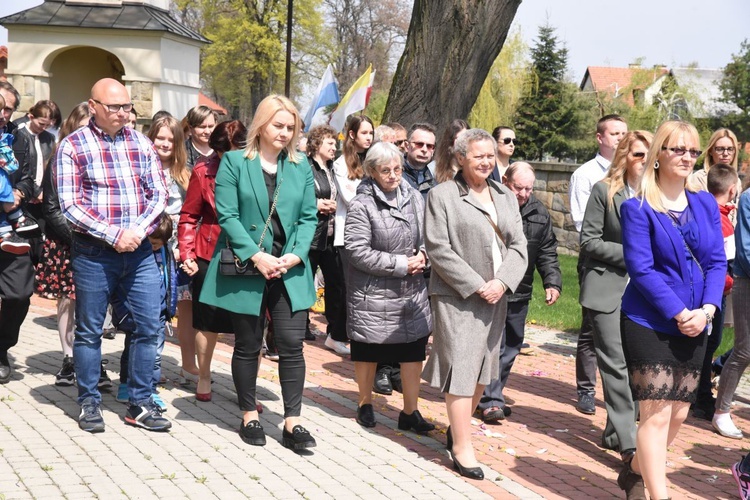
<point>581,182</point>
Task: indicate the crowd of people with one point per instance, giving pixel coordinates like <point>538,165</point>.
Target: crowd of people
<point>225,226</point>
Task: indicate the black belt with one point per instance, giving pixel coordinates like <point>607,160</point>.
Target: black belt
<point>90,240</point>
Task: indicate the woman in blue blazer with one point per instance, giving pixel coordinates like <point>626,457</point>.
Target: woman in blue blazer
<point>674,254</point>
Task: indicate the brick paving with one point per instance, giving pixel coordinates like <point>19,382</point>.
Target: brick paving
<point>544,450</point>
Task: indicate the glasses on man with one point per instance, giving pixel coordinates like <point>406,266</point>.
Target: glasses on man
<point>399,142</point>
<point>722,150</point>
<point>694,153</point>
<point>420,145</point>
<point>509,140</point>
<point>114,108</point>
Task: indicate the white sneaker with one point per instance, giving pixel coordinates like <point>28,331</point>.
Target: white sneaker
<point>723,424</point>
<point>337,346</point>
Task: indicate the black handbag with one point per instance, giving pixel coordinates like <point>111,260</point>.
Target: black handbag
<point>230,264</point>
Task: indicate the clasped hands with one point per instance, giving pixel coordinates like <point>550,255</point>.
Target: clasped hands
<point>492,291</point>
<point>416,263</point>
<point>326,207</point>
<point>692,322</point>
<point>272,267</point>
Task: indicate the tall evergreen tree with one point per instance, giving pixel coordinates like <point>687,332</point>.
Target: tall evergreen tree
<point>547,120</point>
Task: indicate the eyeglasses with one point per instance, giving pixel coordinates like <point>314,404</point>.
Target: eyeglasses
<point>399,143</point>
<point>420,145</point>
<point>115,108</point>
<point>388,172</point>
<point>640,154</point>
<point>508,140</point>
<point>722,150</point>
<point>694,153</point>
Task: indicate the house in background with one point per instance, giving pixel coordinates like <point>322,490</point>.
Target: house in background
<point>3,61</point>
<point>702,95</point>
<point>61,47</point>
<point>632,84</point>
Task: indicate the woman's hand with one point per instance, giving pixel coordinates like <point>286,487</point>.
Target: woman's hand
<point>326,207</point>
<point>268,265</point>
<point>415,264</point>
<point>190,267</point>
<point>492,291</point>
<point>692,323</point>
<point>288,261</point>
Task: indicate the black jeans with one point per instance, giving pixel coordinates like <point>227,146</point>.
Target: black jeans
<point>12,314</point>
<point>510,346</point>
<point>289,334</point>
<point>332,268</point>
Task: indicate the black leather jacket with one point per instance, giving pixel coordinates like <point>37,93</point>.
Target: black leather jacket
<point>57,227</point>
<point>542,250</point>
<point>322,190</point>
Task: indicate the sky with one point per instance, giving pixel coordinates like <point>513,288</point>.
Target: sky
<point>599,33</point>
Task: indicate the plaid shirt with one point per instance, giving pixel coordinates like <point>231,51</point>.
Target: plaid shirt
<point>107,185</point>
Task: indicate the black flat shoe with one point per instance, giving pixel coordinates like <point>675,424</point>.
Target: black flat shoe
<point>298,439</point>
<point>414,421</point>
<point>449,439</point>
<point>366,416</point>
<point>631,483</point>
<point>382,383</point>
<point>470,472</point>
<point>252,433</point>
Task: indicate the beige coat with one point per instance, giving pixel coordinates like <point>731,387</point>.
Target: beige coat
<point>458,238</point>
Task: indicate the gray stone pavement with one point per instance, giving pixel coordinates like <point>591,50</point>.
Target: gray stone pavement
<point>43,454</point>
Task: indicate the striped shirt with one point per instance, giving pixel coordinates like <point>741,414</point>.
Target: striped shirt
<point>107,185</point>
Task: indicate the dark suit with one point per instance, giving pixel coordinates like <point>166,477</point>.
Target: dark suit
<point>602,284</point>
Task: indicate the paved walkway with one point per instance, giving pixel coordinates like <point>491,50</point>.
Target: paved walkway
<point>544,450</point>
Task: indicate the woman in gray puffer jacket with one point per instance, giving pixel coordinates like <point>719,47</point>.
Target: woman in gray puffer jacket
<point>387,304</point>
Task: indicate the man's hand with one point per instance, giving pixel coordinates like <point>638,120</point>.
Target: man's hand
<point>551,295</point>
<point>128,242</point>
<point>17,199</point>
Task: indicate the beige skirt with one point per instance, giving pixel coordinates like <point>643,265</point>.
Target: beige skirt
<point>466,343</point>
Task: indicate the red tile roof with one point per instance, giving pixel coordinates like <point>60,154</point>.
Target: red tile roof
<point>204,100</point>
<point>3,52</point>
<point>615,81</point>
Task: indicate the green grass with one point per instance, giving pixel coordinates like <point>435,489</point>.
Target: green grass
<point>565,314</point>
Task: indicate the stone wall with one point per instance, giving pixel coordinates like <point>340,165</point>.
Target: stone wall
<point>551,188</point>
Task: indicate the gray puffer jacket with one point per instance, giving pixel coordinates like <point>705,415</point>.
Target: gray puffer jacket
<point>385,305</point>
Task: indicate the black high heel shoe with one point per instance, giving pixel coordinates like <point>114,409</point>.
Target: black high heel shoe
<point>470,472</point>
<point>449,439</point>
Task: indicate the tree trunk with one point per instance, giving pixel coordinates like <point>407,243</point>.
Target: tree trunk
<point>449,52</point>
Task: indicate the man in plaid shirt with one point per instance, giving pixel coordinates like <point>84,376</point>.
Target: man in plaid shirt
<point>113,192</point>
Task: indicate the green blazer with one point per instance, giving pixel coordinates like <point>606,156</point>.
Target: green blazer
<point>242,207</point>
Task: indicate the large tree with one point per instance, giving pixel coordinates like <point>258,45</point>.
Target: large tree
<point>735,89</point>
<point>449,51</point>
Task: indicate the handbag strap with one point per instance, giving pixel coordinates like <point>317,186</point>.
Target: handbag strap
<point>268,220</point>
<point>494,226</point>
<point>690,251</point>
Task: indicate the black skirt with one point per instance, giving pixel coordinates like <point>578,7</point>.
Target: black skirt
<point>408,352</point>
<point>208,318</point>
<point>661,366</point>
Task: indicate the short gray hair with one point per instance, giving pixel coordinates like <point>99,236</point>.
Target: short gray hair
<point>518,167</point>
<point>381,153</point>
<point>466,137</point>
<point>383,133</point>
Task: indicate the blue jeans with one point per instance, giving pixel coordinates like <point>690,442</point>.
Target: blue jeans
<point>99,272</point>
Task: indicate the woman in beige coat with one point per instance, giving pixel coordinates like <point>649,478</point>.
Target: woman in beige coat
<point>474,238</point>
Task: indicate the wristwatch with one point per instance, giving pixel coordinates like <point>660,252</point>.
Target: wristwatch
<point>709,320</point>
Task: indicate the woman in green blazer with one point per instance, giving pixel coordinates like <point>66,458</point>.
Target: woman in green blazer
<point>603,283</point>
<point>247,184</point>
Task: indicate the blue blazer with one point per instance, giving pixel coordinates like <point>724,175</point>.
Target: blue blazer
<point>663,278</point>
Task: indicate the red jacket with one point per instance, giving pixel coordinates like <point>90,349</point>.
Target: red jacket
<point>199,229</point>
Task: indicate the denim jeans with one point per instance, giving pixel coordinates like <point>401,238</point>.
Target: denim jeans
<point>99,272</point>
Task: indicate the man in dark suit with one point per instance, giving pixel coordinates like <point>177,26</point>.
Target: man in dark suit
<point>16,272</point>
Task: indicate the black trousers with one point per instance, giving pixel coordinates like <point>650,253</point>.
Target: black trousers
<point>586,365</point>
<point>510,346</point>
<point>329,261</point>
<point>12,314</point>
<point>289,334</point>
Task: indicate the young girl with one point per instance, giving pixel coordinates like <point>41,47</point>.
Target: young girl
<point>168,138</point>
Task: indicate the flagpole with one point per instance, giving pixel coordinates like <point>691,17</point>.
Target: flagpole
<point>288,76</point>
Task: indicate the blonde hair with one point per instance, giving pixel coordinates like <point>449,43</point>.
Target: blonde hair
<point>649,189</point>
<point>709,162</point>
<point>267,109</point>
<point>617,175</point>
<point>178,169</point>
